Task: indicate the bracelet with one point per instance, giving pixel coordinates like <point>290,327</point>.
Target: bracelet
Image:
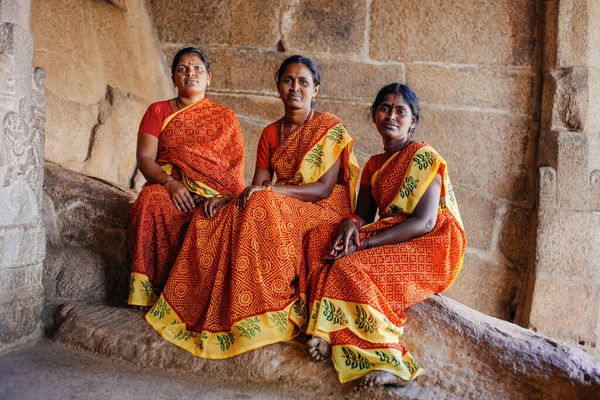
<point>157,175</point>
<point>360,244</point>
<point>167,182</point>
<point>268,183</point>
<point>358,221</point>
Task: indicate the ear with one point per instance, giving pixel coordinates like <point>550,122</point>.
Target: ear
<point>173,80</point>
<point>413,124</point>
<point>208,78</point>
<point>317,88</point>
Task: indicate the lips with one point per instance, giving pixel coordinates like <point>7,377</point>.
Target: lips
<point>389,126</point>
<point>190,81</point>
<point>294,97</point>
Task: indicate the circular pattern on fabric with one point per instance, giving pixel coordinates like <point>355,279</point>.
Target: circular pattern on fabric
<point>242,263</point>
<point>278,286</point>
<point>206,260</point>
<point>181,290</point>
<point>264,266</point>
<point>201,242</point>
<point>245,298</point>
<point>219,278</point>
<point>182,267</point>
<point>271,232</point>
<point>282,252</point>
<point>202,224</point>
<point>259,214</point>
<point>187,243</point>
<point>286,209</point>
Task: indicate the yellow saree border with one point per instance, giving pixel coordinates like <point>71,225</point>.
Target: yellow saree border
<point>352,362</point>
<point>245,335</point>
<point>324,154</point>
<point>197,187</point>
<point>329,315</point>
<point>421,172</point>
<point>141,291</point>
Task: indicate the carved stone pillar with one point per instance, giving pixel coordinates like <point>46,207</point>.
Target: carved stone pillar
<point>22,115</point>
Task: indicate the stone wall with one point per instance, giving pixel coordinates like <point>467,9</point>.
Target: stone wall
<point>104,68</point>
<point>565,298</point>
<point>476,78</point>
<point>22,240</point>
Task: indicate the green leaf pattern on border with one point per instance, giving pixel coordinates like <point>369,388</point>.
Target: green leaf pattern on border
<point>395,210</point>
<point>226,341</point>
<point>316,313</point>
<point>300,307</point>
<point>161,308</point>
<point>249,327</point>
<point>315,156</point>
<point>365,321</point>
<point>336,134</point>
<point>384,357</point>
<point>424,160</point>
<point>333,313</point>
<point>185,335</point>
<point>391,327</point>
<point>409,186</point>
<point>131,287</point>
<point>354,360</point>
<point>411,366</point>
<point>148,290</point>
<point>280,319</point>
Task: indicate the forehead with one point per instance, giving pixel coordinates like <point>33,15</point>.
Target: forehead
<point>192,58</point>
<point>395,99</point>
<point>298,69</point>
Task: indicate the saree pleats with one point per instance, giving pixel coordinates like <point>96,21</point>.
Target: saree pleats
<point>358,303</point>
<point>237,283</point>
<point>201,146</point>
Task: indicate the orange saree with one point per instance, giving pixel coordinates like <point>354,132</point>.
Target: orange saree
<point>202,146</point>
<point>358,303</point>
<point>236,284</point>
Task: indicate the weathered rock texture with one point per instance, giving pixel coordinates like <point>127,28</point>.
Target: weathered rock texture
<point>22,241</point>
<point>86,222</point>
<point>466,355</point>
<point>104,68</point>
<point>565,298</point>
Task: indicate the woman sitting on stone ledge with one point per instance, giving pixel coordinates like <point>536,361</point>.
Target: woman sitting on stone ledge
<point>191,151</point>
<point>236,284</point>
<point>362,275</point>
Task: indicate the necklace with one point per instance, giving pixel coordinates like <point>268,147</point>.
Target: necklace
<point>281,131</point>
<point>393,150</point>
<point>178,103</point>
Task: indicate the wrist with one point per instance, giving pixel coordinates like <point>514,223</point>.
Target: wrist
<point>165,183</point>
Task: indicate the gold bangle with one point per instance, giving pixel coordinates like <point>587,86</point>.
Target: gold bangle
<point>158,174</point>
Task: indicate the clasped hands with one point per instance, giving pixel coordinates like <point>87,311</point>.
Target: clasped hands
<point>345,242</point>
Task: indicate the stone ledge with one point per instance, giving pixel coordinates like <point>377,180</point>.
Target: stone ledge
<point>465,354</point>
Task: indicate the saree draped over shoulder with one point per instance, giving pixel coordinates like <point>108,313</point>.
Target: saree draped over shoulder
<point>358,303</point>
<point>202,146</point>
<point>236,284</point>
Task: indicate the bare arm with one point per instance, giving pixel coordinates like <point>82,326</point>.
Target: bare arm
<point>315,191</point>
<point>419,223</point>
<point>146,152</point>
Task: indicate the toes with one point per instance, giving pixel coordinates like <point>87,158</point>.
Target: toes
<point>314,342</point>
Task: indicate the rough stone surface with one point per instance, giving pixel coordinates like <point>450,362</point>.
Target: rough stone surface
<point>64,373</point>
<point>122,54</point>
<point>572,304</point>
<point>567,244</point>
<point>464,139</point>
<point>466,355</point>
<point>454,32</point>
<point>231,22</point>
<point>335,26</point>
<point>87,227</point>
<point>478,214</point>
<point>252,131</point>
<point>485,286</point>
<point>514,244</point>
<point>473,86</point>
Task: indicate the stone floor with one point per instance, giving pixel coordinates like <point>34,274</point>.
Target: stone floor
<point>46,370</point>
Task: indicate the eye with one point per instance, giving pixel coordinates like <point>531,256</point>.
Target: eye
<point>198,68</point>
<point>181,69</point>
<point>384,108</point>
<point>304,82</point>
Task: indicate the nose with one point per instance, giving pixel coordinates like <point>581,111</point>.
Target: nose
<point>190,71</point>
<point>294,86</point>
<point>392,115</point>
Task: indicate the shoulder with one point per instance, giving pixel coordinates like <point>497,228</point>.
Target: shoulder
<point>270,129</point>
<point>160,107</point>
<point>328,117</point>
<point>220,108</point>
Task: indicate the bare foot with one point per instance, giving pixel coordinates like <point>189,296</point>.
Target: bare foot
<point>318,348</point>
<point>380,378</point>
<point>143,308</point>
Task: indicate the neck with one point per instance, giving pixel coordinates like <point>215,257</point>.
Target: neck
<point>395,144</point>
<point>296,117</point>
<point>186,100</point>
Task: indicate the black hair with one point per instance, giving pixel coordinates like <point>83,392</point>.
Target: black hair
<point>189,50</point>
<point>398,88</point>
<point>298,59</point>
